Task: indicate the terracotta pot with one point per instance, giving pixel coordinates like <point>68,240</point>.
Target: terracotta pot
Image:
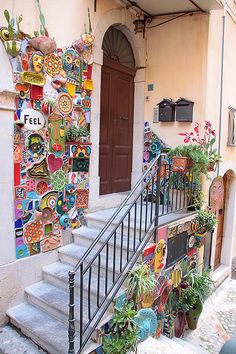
<point>211,166</point>
<point>193,315</point>
<point>181,164</point>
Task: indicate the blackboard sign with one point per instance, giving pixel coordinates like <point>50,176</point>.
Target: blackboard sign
<point>176,248</point>
<point>80,165</point>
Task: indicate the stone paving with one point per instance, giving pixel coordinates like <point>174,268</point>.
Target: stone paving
<point>217,323</point>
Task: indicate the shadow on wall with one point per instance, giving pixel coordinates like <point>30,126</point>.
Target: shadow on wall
<point>233,268</point>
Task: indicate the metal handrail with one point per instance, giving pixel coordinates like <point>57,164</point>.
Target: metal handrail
<point>150,182</point>
<point>116,213</point>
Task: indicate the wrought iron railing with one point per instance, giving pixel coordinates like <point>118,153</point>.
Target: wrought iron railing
<point>100,273</point>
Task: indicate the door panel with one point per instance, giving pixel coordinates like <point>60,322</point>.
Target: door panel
<point>115,155</point>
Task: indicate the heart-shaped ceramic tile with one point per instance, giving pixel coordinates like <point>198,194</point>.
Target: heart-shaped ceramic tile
<point>54,163</point>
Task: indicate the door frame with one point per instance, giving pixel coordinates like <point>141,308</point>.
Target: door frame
<point>125,24</point>
<point>117,67</point>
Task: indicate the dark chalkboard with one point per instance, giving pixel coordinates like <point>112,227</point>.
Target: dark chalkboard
<point>176,248</point>
<point>80,165</point>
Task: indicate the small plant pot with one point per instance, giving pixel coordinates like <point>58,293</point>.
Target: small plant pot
<point>193,315</point>
<point>181,164</point>
<point>211,166</point>
<point>12,47</point>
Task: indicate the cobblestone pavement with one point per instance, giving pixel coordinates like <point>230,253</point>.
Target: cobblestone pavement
<point>13,342</point>
<point>217,323</point>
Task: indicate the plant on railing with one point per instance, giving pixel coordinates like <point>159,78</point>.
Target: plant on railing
<point>123,336</point>
<point>206,143</point>
<point>198,159</point>
<point>140,282</point>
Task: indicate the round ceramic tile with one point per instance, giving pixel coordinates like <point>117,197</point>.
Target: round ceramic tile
<point>59,180</point>
<point>64,103</point>
<point>42,187</point>
<point>52,64</point>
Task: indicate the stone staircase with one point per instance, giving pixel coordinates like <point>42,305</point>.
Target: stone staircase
<point>44,315</point>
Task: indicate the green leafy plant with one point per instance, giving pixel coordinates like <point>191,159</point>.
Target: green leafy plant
<point>206,221</point>
<point>140,281</point>
<point>13,25</point>
<point>200,160</point>
<point>84,132</point>
<point>200,286</point>
<point>72,133</point>
<point>123,335</point>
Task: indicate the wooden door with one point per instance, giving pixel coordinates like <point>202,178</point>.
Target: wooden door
<point>116,127</point>
<point>220,226</point>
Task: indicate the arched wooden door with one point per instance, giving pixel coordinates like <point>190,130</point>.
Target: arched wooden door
<point>116,113</point>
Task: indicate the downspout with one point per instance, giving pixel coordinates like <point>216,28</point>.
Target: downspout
<point>221,88</point>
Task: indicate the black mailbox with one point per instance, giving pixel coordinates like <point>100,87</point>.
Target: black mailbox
<point>184,110</point>
<point>166,110</point>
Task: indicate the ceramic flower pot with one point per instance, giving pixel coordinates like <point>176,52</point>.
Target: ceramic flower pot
<point>180,324</point>
<point>193,315</point>
<point>12,47</point>
<point>181,164</point>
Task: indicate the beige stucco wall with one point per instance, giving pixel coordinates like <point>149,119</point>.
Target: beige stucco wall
<point>176,65</point>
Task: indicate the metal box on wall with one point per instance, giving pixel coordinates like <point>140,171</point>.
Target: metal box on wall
<point>166,110</point>
<point>184,110</point>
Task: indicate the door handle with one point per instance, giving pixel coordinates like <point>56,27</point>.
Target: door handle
<point>124,118</point>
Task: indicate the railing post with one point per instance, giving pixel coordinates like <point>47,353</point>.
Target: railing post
<point>71,328</point>
<point>158,183</point>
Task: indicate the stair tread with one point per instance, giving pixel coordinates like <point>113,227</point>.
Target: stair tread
<point>60,270</point>
<point>162,346</point>
<point>56,298</point>
<point>190,345</point>
<point>44,329</point>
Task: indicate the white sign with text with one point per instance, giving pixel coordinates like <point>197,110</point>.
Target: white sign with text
<point>32,119</point>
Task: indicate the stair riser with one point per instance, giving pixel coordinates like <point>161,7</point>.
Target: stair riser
<point>59,315</point>
<point>99,224</point>
<point>38,340</point>
<point>56,281</point>
<point>66,258</point>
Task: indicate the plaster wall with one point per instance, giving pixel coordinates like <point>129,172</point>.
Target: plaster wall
<point>65,23</point>
<point>176,65</point>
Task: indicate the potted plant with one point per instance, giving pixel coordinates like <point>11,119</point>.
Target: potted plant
<point>12,36</point>
<point>197,161</point>
<point>199,288</point>
<point>72,134</point>
<point>123,335</point>
<point>141,282</point>
<point>206,143</point>
<point>206,222</point>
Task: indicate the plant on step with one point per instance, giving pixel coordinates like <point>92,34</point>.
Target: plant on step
<point>123,335</point>
<point>206,221</point>
<point>140,281</point>
<point>72,133</point>
<point>84,132</point>
<point>200,286</point>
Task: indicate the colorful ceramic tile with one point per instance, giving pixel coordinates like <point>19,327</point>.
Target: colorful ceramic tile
<point>80,165</point>
<point>52,64</point>
<point>49,200</point>
<point>16,174</point>
<point>54,163</point>
<point>56,127</point>
<point>19,233</point>
<point>17,153</point>
<point>83,180</point>
<point>34,248</point>
<point>79,150</point>
<point>39,170</point>
<point>59,180</point>
<point>50,243</point>
<point>33,232</point>
<point>20,193</point>
<point>82,197</point>
<point>21,248</point>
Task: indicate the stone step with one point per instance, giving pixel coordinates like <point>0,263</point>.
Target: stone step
<point>189,345</point>
<point>72,253</point>
<point>54,301</point>
<point>84,236</point>
<point>162,345</point>
<point>57,275</point>
<point>45,330</point>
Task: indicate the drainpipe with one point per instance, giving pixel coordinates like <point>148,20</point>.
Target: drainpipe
<point>221,87</point>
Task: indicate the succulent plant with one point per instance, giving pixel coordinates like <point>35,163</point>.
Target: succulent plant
<point>72,133</point>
